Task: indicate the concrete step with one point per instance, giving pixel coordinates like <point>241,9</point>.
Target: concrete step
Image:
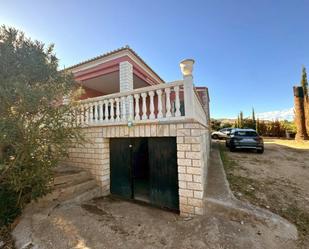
<point>85,196</point>
<point>71,178</point>
<point>63,169</point>
<point>64,193</point>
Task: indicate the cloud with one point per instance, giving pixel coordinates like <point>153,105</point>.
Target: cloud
<point>286,114</point>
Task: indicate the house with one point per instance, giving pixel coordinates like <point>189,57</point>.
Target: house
<point>147,139</point>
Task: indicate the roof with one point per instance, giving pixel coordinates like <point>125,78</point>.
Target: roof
<point>240,129</point>
<point>114,52</point>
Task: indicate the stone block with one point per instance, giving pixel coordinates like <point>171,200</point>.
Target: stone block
<point>185,192</point>
<point>185,177</point>
<point>192,140</point>
<point>184,147</point>
<point>193,155</point>
<point>194,170</point>
<point>184,162</point>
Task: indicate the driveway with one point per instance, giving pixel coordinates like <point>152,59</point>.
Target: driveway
<point>277,180</point>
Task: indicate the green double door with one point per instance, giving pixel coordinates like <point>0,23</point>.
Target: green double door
<point>145,169</point>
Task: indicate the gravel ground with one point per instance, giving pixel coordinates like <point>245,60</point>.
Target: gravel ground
<point>277,180</point>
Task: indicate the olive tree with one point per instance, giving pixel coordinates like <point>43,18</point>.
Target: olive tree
<point>36,128</point>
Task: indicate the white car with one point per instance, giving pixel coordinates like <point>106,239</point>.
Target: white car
<point>221,134</point>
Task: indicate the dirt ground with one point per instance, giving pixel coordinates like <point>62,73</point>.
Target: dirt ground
<point>112,223</point>
<point>277,180</point>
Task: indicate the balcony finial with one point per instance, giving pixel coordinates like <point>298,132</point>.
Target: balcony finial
<point>186,67</point>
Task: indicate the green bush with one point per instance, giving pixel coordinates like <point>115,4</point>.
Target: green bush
<point>35,127</point>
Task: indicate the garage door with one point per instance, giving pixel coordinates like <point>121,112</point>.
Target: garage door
<point>145,169</point>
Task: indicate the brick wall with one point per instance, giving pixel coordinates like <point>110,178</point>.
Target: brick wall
<point>192,153</point>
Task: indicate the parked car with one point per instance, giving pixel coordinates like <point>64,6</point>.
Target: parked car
<point>245,139</point>
<point>221,134</point>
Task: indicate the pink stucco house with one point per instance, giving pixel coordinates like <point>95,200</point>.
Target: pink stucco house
<point>147,140</point>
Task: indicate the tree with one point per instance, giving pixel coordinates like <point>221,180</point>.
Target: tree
<point>241,120</point>
<point>257,126</point>
<point>304,81</point>
<point>238,122</point>
<point>35,127</point>
<point>253,119</point>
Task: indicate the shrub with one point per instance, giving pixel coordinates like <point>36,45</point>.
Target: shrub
<point>35,127</point>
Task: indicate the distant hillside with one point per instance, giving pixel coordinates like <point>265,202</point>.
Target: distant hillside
<point>286,114</point>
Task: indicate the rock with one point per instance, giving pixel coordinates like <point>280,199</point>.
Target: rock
<point>1,244</point>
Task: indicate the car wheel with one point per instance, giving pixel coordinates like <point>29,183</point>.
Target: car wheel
<point>215,136</point>
<point>260,151</point>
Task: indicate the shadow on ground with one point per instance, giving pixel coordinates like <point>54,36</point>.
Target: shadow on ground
<point>112,223</point>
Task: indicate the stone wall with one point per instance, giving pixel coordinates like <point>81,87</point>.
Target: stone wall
<point>193,145</point>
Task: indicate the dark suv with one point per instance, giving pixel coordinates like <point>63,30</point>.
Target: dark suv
<point>245,139</point>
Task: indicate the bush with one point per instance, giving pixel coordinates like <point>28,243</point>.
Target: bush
<point>35,128</point>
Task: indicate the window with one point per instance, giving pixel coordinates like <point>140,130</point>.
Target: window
<point>246,133</point>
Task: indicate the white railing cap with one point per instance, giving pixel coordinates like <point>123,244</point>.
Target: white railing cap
<point>186,67</point>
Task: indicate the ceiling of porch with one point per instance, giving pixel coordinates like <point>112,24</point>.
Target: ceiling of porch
<point>109,83</point>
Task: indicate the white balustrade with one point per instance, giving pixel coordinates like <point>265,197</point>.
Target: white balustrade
<point>177,102</point>
<point>168,102</point>
<point>123,108</point>
<point>130,103</point>
<point>158,102</point>
<point>160,113</point>
<point>106,110</point>
<point>95,116</point>
<point>144,117</point>
<point>101,110</point>
<point>86,114</point>
<point>117,109</point>
<point>152,115</point>
<point>111,110</point>
<point>136,97</point>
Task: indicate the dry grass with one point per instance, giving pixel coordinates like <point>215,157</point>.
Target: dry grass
<point>281,196</point>
<point>6,238</point>
<point>287,142</point>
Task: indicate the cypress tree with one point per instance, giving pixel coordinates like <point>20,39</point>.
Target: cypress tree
<point>304,81</point>
<point>253,119</point>
<point>241,119</point>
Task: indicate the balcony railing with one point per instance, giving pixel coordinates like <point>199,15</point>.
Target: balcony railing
<point>164,102</point>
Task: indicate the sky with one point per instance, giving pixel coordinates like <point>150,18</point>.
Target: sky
<point>248,53</point>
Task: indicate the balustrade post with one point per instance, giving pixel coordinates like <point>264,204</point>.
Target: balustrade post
<point>186,67</point>
<point>152,115</point>
<point>168,102</point>
<point>117,109</point>
<point>86,114</point>
<point>130,102</point>
<point>95,116</point>
<point>123,109</point>
<point>144,108</point>
<point>177,102</point>
<point>136,97</point>
<point>160,113</point>
<point>90,113</point>
<point>101,110</point>
<point>112,110</point>
<point>106,110</point>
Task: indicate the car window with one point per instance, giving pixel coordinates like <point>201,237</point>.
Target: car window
<point>246,133</point>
